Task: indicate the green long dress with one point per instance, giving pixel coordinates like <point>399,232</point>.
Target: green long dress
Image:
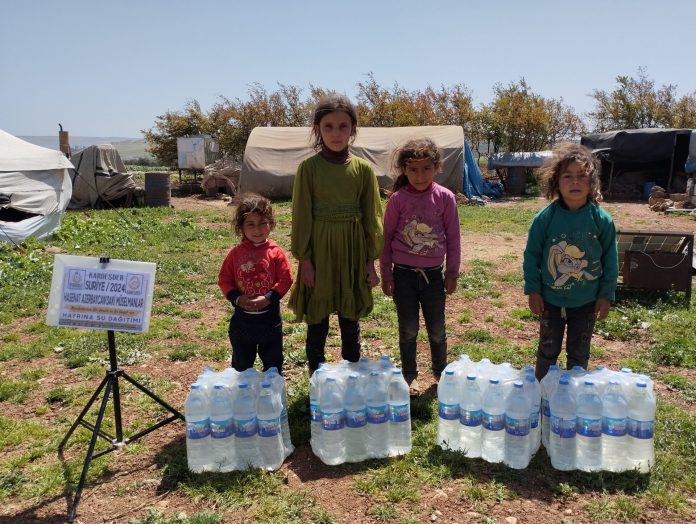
<point>337,224</point>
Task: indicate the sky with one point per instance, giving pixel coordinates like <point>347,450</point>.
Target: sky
<point>109,68</point>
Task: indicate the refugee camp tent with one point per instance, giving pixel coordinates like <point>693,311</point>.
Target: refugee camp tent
<point>35,189</point>
<point>272,155</point>
<point>635,159</point>
<point>100,177</point>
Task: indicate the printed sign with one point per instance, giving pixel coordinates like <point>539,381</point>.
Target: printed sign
<point>85,293</point>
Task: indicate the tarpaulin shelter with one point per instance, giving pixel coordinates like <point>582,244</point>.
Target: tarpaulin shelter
<point>100,176</point>
<point>272,155</point>
<point>633,159</point>
<point>35,189</point>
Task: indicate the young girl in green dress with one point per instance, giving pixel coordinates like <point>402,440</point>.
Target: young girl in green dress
<point>336,232</point>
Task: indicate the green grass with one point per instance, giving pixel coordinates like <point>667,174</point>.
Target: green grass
<point>188,248</point>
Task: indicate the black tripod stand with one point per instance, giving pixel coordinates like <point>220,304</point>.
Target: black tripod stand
<point>110,382</point>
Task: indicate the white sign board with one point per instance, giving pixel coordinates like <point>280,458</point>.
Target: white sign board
<point>115,296</point>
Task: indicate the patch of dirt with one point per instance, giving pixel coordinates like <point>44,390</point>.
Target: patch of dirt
<point>134,483</point>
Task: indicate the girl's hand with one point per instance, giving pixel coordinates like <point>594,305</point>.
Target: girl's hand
<point>602,308</point>
<point>536,303</point>
<point>450,285</point>
<point>307,270</point>
<point>372,278</point>
<point>388,287</point>
<point>258,303</point>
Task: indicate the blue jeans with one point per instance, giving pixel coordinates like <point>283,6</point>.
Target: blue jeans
<point>579,322</point>
<point>424,289</point>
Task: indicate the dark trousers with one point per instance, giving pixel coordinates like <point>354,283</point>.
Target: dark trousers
<point>316,341</point>
<point>414,290</point>
<point>579,322</point>
<point>250,336</point>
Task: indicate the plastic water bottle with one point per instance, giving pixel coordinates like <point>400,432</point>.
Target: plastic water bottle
<point>588,454</point>
<point>448,412</point>
<point>470,418</point>
<point>562,438</point>
<point>278,384</point>
<point>493,422</point>
<point>548,386</point>
<point>270,438</point>
<point>517,425</point>
<point>641,425</point>
<point>198,449</point>
<point>377,416</point>
<point>399,414</point>
<point>246,433</point>
<point>533,391</point>
<point>222,428</point>
<point>614,420</point>
<point>332,423</point>
<point>315,411</point>
<point>355,411</point>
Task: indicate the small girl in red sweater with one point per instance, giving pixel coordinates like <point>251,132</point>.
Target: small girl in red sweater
<point>254,276</point>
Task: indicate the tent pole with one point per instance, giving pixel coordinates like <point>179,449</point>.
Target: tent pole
<point>671,165</point>
<point>611,176</point>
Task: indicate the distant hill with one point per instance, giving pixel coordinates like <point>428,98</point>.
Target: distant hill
<point>128,148</point>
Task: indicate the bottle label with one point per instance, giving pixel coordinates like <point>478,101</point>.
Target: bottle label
<point>546,405</point>
<point>516,426</point>
<point>246,428</point>
<point>377,414</point>
<point>314,412</point>
<point>222,428</point>
<point>356,418</point>
<point>448,411</point>
<point>564,428</point>
<point>399,412</point>
<point>589,427</point>
<point>198,429</point>
<point>534,419</point>
<point>270,427</point>
<point>616,427</point>
<point>470,418</point>
<point>493,422</point>
<point>332,421</point>
<point>642,429</point>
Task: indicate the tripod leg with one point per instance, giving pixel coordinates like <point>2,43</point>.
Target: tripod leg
<point>90,451</point>
<point>84,412</point>
<point>152,395</point>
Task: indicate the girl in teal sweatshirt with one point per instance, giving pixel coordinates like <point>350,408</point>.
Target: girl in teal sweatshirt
<point>570,262</point>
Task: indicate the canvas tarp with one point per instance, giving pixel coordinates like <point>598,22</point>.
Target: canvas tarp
<point>272,155</point>
<point>35,189</point>
<point>100,174</point>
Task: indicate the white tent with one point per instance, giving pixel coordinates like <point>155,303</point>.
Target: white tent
<point>272,155</point>
<point>35,189</point>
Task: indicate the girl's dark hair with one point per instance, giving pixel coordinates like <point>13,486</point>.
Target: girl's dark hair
<point>414,150</point>
<point>247,203</point>
<point>329,104</point>
<point>563,154</point>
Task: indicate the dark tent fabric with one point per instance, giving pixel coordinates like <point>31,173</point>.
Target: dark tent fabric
<point>635,145</point>
<point>633,160</point>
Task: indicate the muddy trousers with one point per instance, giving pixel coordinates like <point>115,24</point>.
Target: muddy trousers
<point>316,341</point>
<point>577,323</point>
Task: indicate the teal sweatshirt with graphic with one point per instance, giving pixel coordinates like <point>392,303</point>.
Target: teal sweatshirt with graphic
<point>571,257</point>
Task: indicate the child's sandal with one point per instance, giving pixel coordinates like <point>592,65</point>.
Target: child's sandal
<point>414,388</point>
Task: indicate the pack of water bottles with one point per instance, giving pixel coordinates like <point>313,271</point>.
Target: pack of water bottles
<point>358,411</point>
<point>490,411</point>
<point>237,421</point>
<point>598,420</point>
